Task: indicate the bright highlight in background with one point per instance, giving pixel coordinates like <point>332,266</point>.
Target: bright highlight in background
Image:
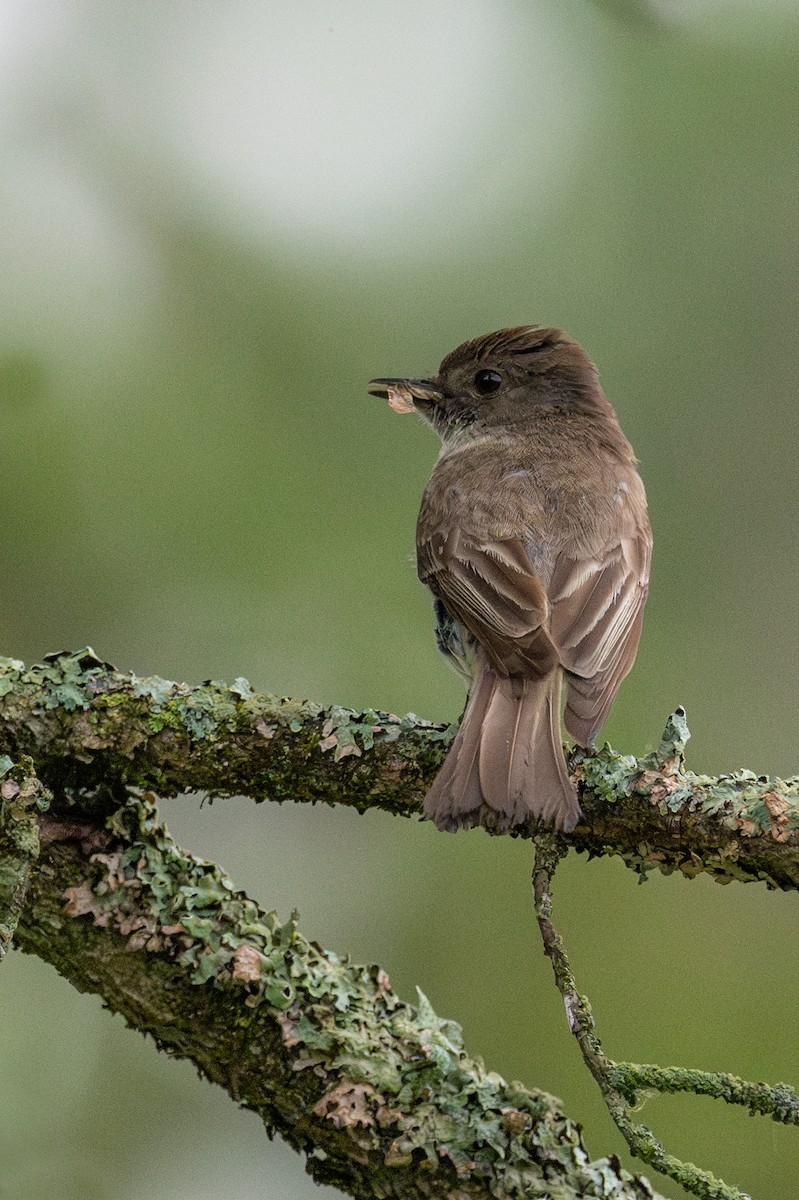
<point>321,121</point>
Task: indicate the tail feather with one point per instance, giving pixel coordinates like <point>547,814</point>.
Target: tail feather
<point>506,765</point>
<point>455,800</point>
<point>504,754</point>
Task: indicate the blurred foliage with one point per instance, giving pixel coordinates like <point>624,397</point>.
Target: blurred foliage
<point>218,224</point>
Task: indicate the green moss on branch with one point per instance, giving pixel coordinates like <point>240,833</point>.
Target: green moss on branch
<point>22,798</point>
<point>778,1101</point>
<point>380,1096</point>
<point>88,725</point>
<point>91,728</point>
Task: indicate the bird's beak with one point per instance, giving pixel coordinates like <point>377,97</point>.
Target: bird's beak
<point>405,395</point>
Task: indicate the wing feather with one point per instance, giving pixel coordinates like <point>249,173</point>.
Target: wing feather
<point>492,590</point>
<point>587,620</point>
<point>596,626</point>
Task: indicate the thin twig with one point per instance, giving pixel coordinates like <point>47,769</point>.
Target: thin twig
<point>778,1101</point>
<point>614,1083</point>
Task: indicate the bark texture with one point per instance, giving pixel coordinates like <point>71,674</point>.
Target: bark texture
<point>380,1096</point>
<point>90,728</point>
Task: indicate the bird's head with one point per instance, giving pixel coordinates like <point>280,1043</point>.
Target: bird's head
<point>499,381</point>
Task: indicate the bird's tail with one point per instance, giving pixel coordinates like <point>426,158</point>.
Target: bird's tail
<point>506,765</point>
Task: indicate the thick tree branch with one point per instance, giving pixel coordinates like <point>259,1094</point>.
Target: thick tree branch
<point>87,725</point>
<point>380,1096</point>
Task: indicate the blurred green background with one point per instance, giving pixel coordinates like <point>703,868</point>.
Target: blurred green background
<point>219,221</point>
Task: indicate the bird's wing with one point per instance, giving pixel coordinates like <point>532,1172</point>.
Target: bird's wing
<point>492,589</point>
<point>596,617</point>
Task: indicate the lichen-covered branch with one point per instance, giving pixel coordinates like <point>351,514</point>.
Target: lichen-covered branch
<point>22,798</point>
<point>380,1096</point>
<point>89,727</point>
<point>621,1082</point>
<point>778,1101</point>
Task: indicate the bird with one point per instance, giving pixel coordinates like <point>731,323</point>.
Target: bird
<point>534,539</point>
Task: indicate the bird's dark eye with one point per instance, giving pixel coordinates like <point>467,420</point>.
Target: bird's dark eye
<point>487,382</point>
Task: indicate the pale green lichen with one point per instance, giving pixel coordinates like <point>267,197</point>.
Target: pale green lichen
<point>387,1079</point>
<point>93,730</point>
<point>89,724</point>
<point>22,798</point>
<point>778,1101</point>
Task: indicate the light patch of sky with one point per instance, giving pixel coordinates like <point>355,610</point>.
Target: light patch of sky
<point>359,126</point>
<point>71,260</point>
<point>357,122</point>
<point>354,122</point>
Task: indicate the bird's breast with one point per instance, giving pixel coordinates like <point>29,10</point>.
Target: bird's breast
<point>574,498</point>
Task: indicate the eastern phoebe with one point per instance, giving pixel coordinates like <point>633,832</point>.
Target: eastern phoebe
<point>534,539</point>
